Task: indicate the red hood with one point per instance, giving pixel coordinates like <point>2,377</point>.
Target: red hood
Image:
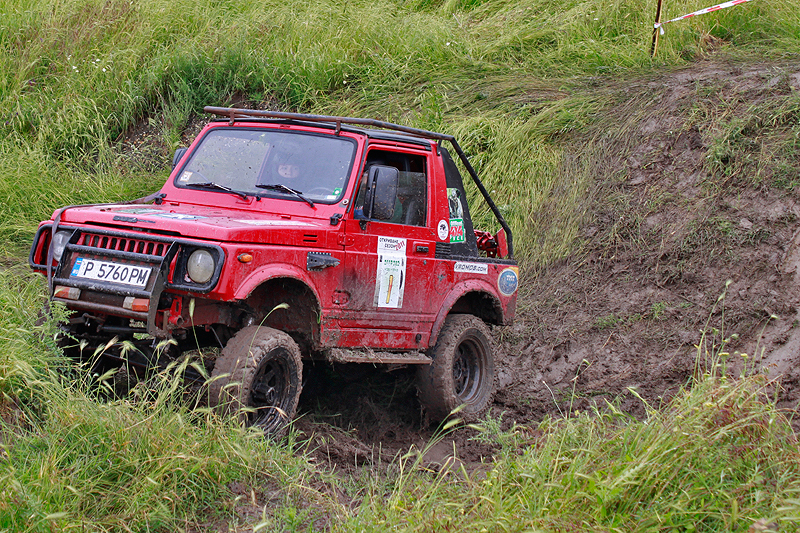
<point>206,223</point>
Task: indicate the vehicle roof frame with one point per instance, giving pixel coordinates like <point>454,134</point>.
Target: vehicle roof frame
<point>232,114</point>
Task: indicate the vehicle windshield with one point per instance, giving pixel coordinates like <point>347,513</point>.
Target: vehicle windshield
<point>267,162</point>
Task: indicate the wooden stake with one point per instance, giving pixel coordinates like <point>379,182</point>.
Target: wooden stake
<point>654,46</point>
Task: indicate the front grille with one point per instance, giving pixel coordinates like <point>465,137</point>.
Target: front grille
<point>123,244</point>
<point>100,292</point>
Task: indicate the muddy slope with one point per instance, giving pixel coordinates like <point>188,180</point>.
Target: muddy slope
<point>702,203</point>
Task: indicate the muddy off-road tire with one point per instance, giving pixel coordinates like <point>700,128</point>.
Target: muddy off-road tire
<point>462,372</point>
<point>258,376</point>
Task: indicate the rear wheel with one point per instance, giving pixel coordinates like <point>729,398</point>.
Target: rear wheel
<point>462,371</point>
<point>258,378</point>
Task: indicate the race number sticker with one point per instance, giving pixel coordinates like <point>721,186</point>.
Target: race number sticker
<point>391,245</point>
<point>390,279</point>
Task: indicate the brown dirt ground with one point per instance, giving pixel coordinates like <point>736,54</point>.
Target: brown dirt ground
<point>682,208</point>
<point>626,313</point>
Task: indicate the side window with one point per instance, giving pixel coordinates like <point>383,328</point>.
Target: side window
<point>411,203</point>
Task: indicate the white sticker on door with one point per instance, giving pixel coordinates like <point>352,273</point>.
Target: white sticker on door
<point>443,230</point>
<point>391,245</point>
<point>471,268</point>
<point>390,280</point>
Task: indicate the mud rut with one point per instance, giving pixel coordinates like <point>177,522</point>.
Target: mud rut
<point>626,311</point>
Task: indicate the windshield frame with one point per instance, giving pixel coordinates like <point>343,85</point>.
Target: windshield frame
<point>306,154</point>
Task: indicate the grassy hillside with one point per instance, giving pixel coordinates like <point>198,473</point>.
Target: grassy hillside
<point>534,90</point>
<point>509,78</point>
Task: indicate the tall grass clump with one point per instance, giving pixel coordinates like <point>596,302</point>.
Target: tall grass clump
<point>596,37</point>
<point>33,185</point>
<point>155,460</point>
<point>26,348</point>
<point>82,73</point>
<point>718,457</point>
<point>129,465</point>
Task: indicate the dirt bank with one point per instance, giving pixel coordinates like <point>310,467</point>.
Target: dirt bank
<point>703,203</point>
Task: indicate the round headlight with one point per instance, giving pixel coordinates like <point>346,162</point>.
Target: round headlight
<point>200,266</point>
<point>60,240</point>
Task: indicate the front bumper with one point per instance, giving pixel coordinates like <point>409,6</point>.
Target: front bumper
<point>164,258</point>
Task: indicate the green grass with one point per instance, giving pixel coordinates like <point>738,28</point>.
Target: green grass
<point>507,77</point>
<point>534,91</point>
<point>717,458</point>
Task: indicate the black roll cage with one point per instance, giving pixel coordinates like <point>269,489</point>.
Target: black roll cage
<point>233,113</point>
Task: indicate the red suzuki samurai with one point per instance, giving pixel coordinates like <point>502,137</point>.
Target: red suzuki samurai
<point>283,237</point>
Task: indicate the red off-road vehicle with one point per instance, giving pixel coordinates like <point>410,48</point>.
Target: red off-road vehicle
<point>359,227</point>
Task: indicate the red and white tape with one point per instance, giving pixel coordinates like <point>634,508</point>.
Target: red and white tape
<point>717,7</point>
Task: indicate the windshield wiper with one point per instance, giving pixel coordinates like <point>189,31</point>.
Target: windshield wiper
<point>218,187</point>
<point>283,188</point>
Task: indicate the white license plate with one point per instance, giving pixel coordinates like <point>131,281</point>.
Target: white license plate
<point>112,272</point>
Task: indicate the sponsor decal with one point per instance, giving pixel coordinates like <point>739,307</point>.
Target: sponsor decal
<point>139,210</point>
<point>457,230</point>
<point>471,268</point>
<point>186,176</point>
<point>454,201</point>
<point>158,213</point>
<point>252,222</point>
<point>178,216</point>
<point>390,279</point>
<point>507,281</point>
<point>391,245</point>
<point>456,215</point>
<point>443,230</point>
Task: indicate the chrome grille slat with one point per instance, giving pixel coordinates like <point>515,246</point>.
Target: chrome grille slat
<point>123,244</point>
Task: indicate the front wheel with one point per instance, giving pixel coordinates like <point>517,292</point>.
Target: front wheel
<point>258,377</point>
<point>462,371</point>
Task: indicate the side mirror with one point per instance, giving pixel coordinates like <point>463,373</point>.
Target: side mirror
<point>179,153</point>
<point>382,192</point>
